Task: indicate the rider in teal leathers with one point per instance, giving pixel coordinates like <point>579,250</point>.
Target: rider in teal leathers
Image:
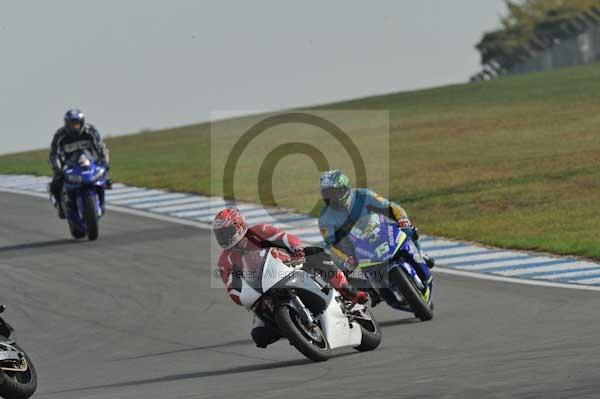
<point>344,206</point>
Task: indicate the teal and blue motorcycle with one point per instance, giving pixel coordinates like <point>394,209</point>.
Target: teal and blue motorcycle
<point>392,265</point>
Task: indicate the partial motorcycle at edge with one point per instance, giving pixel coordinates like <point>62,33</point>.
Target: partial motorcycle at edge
<point>18,379</point>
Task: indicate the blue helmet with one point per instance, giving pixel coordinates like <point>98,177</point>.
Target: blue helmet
<point>74,121</point>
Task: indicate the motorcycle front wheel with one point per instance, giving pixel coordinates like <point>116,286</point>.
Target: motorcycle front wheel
<point>411,294</point>
<point>75,232</point>
<point>90,215</point>
<point>371,333</point>
<point>309,340</point>
<point>17,384</point>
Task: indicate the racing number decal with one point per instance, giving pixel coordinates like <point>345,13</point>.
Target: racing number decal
<point>382,249</point>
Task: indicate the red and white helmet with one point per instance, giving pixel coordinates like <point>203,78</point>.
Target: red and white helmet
<point>229,227</point>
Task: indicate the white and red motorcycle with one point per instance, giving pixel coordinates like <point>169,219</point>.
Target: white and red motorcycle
<point>310,313</point>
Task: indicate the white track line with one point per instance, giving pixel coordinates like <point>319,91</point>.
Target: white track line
<point>512,280</point>
<point>593,269</point>
<point>523,261</point>
<point>541,269</point>
<point>588,281</point>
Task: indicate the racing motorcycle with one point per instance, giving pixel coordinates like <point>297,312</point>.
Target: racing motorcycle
<point>310,313</point>
<point>378,247</point>
<point>18,379</point>
<point>85,182</point>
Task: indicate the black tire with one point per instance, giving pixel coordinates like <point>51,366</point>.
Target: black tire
<point>18,385</point>
<point>287,323</point>
<point>75,232</point>
<point>371,334</point>
<point>90,216</point>
<point>411,294</point>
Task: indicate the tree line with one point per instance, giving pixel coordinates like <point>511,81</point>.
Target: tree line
<point>533,25</point>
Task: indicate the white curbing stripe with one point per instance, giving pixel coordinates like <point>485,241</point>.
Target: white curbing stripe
<point>136,201</point>
<point>478,257</point>
<point>543,269</point>
<point>512,280</point>
<point>148,205</point>
<point>121,190</point>
<point>139,195</point>
<point>198,203</point>
<point>589,281</point>
<point>523,260</point>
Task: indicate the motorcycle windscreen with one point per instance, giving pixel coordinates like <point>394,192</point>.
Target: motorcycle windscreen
<point>82,169</point>
<point>260,272</point>
<point>375,240</point>
<point>274,271</point>
<point>251,276</point>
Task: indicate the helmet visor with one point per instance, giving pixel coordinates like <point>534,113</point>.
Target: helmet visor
<point>333,194</point>
<point>224,235</point>
<point>75,125</point>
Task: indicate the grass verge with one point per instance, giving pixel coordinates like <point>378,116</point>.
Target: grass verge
<point>513,162</point>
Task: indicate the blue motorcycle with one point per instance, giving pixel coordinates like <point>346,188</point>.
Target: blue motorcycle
<point>85,181</point>
<point>386,257</point>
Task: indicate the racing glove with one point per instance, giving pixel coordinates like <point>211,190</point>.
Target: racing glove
<point>350,263</point>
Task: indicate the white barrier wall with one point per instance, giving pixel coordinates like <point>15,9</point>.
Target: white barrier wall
<point>582,49</point>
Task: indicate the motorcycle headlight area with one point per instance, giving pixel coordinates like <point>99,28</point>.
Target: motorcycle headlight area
<point>99,174</point>
<point>74,179</point>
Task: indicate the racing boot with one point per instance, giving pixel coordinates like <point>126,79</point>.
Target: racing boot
<point>340,283</point>
<point>429,261</point>
<point>264,334</point>
<point>61,212</point>
<point>58,206</point>
<point>102,198</point>
<point>55,190</point>
<point>375,297</point>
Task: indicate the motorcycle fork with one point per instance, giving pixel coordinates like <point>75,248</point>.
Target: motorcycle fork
<point>296,304</point>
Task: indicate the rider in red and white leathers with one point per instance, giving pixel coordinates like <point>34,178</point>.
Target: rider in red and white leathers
<point>236,238</point>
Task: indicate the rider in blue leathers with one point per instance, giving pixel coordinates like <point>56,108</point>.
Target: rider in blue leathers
<point>344,206</point>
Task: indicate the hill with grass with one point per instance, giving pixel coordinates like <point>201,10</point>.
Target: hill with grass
<point>513,162</point>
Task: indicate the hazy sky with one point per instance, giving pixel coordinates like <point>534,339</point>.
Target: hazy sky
<point>138,64</point>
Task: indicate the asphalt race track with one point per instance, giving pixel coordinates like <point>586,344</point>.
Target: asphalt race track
<point>133,316</point>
